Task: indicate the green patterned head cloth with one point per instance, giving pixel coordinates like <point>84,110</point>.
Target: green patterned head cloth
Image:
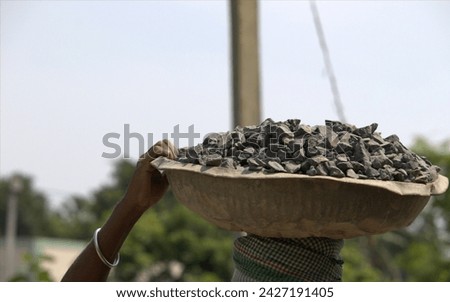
<point>311,259</point>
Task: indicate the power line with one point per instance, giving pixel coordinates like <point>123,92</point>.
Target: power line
<point>327,60</point>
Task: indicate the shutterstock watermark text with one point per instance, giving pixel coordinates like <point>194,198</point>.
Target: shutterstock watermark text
<point>119,145</point>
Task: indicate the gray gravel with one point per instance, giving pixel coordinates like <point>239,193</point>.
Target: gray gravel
<point>335,149</point>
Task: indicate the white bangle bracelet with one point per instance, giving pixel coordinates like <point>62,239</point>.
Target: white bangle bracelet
<point>100,255</point>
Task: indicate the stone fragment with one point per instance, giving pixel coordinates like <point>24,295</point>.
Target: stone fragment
<point>292,167</point>
<point>335,125</point>
<point>397,162</point>
<point>318,159</point>
<point>236,136</point>
<point>311,146</point>
<point>389,148</point>
<point>332,139</point>
<point>282,155</point>
<point>389,169</point>
<point>252,138</point>
<point>378,138</point>
<point>210,160</point>
<point>303,130</point>
<point>272,150</point>
<point>378,161</point>
<point>311,171</point>
<point>342,157</point>
<point>351,173</point>
<point>322,169</point>
<point>372,173</point>
<point>357,166</point>
<point>321,150</point>
<point>320,129</point>
<point>434,172</point>
<point>184,160</point>
<point>228,163</point>
<point>398,176</point>
<point>296,144</point>
<point>242,159</point>
<point>276,166</point>
<point>373,146</point>
<point>293,124</point>
<point>392,138</point>
<point>344,165</point>
<point>366,131</point>
<point>239,145</point>
<point>249,150</point>
<point>283,133</point>
<point>384,174</point>
<point>412,165</point>
<point>415,173</point>
<point>251,129</point>
<point>299,155</point>
<point>255,162</point>
<point>403,171</point>
<point>335,172</point>
<point>421,179</point>
<point>343,147</point>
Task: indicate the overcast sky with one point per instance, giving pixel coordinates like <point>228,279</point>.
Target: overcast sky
<point>73,71</point>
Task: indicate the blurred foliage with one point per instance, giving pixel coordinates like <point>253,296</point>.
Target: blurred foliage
<point>171,243</point>
<point>34,216</point>
<point>420,252</point>
<point>33,270</point>
<point>81,215</point>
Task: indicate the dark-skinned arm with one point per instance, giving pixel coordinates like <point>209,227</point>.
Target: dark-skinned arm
<point>145,189</point>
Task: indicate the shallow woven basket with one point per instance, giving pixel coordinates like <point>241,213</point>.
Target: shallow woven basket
<point>294,205</point>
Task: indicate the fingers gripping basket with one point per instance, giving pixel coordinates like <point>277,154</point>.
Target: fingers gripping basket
<point>294,205</point>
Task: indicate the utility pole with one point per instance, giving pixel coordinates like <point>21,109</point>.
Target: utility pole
<point>245,62</point>
<point>11,228</point>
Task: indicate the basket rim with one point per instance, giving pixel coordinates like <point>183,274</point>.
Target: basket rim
<point>439,186</point>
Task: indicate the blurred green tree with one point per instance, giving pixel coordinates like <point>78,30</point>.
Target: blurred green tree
<point>34,217</point>
<point>171,243</point>
<point>81,215</point>
<point>33,270</point>
<point>420,252</point>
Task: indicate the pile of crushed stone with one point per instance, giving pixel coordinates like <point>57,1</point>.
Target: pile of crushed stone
<point>335,149</point>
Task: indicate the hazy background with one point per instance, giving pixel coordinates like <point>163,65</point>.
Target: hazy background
<point>73,71</point>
